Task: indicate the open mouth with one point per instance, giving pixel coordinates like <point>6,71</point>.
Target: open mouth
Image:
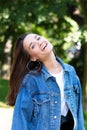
<point>44,45</point>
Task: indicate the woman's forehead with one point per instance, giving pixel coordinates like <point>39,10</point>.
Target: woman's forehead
<point>31,37</point>
<point>28,39</point>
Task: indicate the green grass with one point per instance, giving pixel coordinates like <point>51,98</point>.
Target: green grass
<point>85,117</point>
<point>3,90</point>
<point>86,124</point>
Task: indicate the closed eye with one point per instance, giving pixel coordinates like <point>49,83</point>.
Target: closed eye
<point>38,38</point>
<point>32,47</point>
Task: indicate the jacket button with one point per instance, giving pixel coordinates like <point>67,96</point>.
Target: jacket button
<point>55,102</point>
<point>55,117</point>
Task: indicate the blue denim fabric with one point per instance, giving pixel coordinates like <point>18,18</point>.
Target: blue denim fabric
<point>38,104</point>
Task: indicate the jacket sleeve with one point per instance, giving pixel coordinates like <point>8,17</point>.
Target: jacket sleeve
<point>23,110</point>
<point>80,117</point>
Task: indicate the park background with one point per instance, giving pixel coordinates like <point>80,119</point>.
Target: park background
<point>62,22</point>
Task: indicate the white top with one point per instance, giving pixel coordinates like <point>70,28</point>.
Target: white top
<point>60,82</point>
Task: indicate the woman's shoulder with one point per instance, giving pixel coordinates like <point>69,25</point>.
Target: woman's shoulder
<point>27,78</point>
<point>71,67</point>
<point>30,78</point>
<point>66,66</point>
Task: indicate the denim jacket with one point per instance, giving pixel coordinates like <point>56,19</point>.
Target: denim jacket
<point>38,104</point>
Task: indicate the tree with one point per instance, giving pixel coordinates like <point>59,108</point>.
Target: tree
<point>83,4</point>
<point>43,17</point>
<point>63,22</point>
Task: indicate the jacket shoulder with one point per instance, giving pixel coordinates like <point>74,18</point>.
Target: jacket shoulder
<point>69,67</point>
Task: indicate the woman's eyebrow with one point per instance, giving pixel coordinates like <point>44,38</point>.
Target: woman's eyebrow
<point>30,44</point>
<point>35,36</point>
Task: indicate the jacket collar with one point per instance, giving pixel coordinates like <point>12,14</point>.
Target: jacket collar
<point>48,75</point>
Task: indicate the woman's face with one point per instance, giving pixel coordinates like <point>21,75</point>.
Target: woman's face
<point>37,46</point>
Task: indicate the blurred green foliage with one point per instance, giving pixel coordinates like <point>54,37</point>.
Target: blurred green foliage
<point>85,117</point>
<point>48,18</point>
<point>61,21</point>
<point>3,89</point>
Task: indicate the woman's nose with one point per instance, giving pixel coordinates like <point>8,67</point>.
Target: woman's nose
<point>40,43</point>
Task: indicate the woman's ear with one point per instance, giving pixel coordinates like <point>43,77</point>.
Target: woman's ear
<point>33,59</point>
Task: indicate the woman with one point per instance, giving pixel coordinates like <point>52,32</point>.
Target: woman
<point>45,91</point>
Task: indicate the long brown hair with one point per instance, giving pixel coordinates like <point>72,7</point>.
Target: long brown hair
<point>19,69</point>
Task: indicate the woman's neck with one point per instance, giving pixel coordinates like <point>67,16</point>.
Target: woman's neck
<point>52,65</point>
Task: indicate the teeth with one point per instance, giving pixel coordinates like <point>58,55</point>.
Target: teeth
<point>44,46</point>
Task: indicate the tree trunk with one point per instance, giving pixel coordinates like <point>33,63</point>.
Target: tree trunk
<point>85,80</point>
<point>83,4</point>
<point>5,71</point>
